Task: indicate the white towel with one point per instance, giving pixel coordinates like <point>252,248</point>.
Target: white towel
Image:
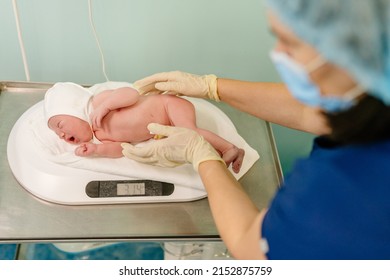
<point>50,147</point>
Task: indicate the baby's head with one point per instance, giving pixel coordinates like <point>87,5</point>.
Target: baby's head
<point>66,112</point>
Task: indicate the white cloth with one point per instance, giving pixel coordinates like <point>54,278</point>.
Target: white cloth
<point>208,117</point>
<point>67,99</point>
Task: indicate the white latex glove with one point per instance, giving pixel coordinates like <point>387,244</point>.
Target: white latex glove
<point>179,83</point>
<point>182,145</point>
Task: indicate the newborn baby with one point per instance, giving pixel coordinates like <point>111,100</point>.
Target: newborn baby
<point>99,123</point>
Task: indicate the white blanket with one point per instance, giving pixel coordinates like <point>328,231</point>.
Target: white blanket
<point>50,147</point>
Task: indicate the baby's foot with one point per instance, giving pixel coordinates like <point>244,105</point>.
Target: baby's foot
<point>234,156</point>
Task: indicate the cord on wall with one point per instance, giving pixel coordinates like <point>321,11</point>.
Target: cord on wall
<point>97,40</point>
<point>21,44</point>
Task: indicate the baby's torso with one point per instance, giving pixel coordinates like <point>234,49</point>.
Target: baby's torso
<point>129,124</point>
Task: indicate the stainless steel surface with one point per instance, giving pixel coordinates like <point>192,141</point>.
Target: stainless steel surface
<point>25,218</point>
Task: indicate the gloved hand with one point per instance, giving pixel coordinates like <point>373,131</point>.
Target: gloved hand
<point>179,83</point>
<point>182,145</point>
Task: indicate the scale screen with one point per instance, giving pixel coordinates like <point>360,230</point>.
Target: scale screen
<point>130,189</point>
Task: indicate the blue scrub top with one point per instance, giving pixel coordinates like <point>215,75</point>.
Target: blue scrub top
<point>334,205</point>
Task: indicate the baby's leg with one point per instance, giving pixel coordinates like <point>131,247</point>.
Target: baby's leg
<point>182,114</point>
<point>229,152</point>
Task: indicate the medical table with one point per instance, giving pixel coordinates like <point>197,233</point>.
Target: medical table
<point>26,218</point>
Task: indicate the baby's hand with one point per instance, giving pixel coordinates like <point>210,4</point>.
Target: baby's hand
<point>98,114</point>
<point>86,149</point>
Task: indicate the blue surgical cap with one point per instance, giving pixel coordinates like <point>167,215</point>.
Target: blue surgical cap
<point>353,34</point>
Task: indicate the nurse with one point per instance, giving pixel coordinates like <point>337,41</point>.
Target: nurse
<point>334,57</point>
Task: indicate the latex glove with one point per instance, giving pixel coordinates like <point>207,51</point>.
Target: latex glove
<point>182,145</point>
<point>179,83</point>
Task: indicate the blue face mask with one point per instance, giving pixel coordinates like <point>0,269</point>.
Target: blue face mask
<point>297,79</point>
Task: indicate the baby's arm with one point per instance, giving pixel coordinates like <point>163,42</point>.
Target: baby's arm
<point>110,100</point>
<point>109,149</point>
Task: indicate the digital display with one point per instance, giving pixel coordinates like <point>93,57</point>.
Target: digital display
<point>130,189</point>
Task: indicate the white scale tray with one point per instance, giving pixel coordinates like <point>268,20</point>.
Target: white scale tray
<point>66,185</point>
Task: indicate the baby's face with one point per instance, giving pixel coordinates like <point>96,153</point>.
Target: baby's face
<point>73,130</point>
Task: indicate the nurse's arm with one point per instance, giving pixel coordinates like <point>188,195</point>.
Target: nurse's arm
<point>237,219</point>
<point>272,102</point>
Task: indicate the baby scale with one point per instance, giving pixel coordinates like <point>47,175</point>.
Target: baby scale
<point>71,186</point>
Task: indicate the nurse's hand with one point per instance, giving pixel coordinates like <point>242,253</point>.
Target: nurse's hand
<point>181,145</point>
<point>179,83</point>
